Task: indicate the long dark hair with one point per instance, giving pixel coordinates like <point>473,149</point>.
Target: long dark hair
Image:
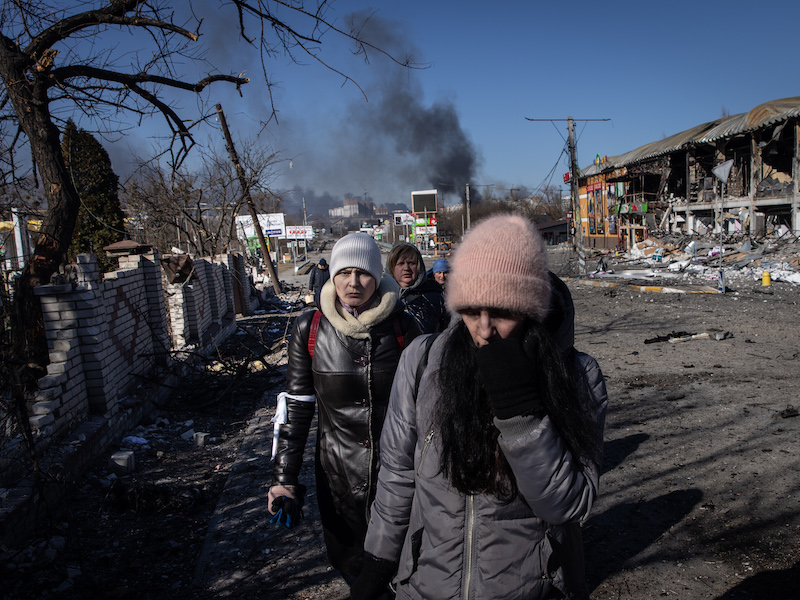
<point>471,457</point>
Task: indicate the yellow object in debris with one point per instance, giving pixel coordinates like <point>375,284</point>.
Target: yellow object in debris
<point>766,280</point>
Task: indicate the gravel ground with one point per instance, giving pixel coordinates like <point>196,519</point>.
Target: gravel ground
<point>700,491</point>
<point>699,494</point>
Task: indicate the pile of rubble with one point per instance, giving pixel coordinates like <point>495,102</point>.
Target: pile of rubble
<point>684,258</point>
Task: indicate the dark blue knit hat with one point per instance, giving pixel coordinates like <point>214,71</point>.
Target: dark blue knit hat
<point>440,265</point>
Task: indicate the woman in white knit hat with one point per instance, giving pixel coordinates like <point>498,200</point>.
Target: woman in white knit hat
<point>342,359</point>
<point>493,441</point>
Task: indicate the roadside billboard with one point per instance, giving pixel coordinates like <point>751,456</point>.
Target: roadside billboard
<point>423,201</point>
<point>403,219</point>
<point>302,232</point>
<point>425,230</point>
<point>272,225</point>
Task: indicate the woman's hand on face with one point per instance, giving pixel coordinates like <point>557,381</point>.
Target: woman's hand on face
<point>510,378</point>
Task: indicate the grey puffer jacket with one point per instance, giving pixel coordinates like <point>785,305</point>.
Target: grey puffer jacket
<point>453,546</point>
<point>350,375</point>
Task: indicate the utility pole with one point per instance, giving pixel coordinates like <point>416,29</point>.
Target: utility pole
<point>573,181</point>
<point>466,206</point>
<point>573,176</point>
<point>273,275</point>
<point>305,224</point>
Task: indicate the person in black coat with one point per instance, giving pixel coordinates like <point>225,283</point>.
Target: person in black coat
<point>319,276</point>
<point>342,360</point>
<point>422,297</point>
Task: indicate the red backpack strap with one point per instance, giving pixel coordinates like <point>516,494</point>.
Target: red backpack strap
<point>398,333</point>
<point>312,333</point>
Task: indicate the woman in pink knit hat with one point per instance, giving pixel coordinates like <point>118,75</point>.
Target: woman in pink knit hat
<point>492,446</point>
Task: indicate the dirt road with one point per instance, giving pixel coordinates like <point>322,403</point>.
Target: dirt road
<point>700,494</point>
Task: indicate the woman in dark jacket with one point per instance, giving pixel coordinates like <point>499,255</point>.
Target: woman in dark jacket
<point>421,297</point>
<point>493,441</point>
<point>342,359</point>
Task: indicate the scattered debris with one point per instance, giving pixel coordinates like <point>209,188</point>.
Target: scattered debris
<point>788,412</point>
<point>687,338</point>
<point>675,337</point>
<point>774,258</point>
<point>670,336</point>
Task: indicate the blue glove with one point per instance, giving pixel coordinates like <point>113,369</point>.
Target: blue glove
<point>288,511</point>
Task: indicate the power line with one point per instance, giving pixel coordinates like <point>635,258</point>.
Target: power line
<point>573,162</point>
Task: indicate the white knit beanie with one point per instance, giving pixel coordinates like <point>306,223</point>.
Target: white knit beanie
<point>501,263</point>
<point>356,250</point>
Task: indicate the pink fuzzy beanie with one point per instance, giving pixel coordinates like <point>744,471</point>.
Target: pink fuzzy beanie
<point>501,263</point>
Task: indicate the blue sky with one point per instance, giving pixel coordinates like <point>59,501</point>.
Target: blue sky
<point>653,69</point>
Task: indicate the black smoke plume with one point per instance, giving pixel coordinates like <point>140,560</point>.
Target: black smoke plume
<point>393,143</point>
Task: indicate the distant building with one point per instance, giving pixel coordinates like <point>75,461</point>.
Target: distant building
<point>554,232</point>
<point>354,207</point>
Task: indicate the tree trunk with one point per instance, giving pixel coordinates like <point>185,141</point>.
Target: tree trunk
<point>26,86</point>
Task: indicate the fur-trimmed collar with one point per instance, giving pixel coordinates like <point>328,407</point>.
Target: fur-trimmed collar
<point>343,321</point>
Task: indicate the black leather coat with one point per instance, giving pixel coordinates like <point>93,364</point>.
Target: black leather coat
<point>425,303</point>
<point>351,375</point>
<point>424,300</point>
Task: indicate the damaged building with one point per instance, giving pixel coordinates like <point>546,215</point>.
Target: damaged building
<point>669,185</point>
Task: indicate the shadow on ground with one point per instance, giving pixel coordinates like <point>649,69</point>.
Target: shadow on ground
<point>615,537</point>
<point>775,585</point>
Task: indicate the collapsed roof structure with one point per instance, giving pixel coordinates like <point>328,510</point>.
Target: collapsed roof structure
<point>669,184</point>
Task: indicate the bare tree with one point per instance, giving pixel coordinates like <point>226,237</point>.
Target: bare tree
<point>55,60</point>
<point>549,204</point>
<point>195,211</point>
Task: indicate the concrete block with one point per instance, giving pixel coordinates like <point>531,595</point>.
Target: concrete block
<point>64,356</point>
<point>56,368</point>
<point>49,381</point>
<point>85,296</point>
<point>40,421</point>
<point>47,394</point>
<point>89,340</point>
<point>60,324</point>
<point>45,408</point>
<point>62,346</point>
<point>51,290</point>
<point>75,388</point>
<point>90,318</point>
<point>94,305</point>
<point>56,307</point>
<point>123,461</point>
<point>85,315</point>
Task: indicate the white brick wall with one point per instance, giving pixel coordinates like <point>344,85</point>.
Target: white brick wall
<point>107,333</point>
